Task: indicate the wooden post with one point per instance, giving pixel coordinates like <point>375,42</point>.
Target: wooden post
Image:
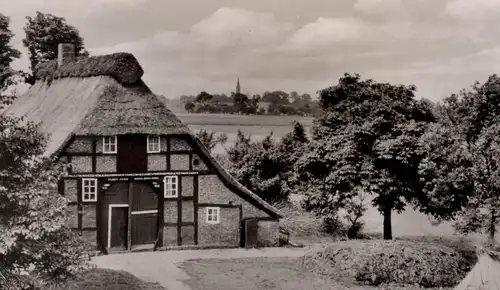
<point>179,211</point>
<point>129,223</point>
<point>195,208</point>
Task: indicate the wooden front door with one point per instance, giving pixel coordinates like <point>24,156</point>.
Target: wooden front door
<point>251,228</point>
<point>118,227</point>
<point>144,214</point>
<point>132,154</point>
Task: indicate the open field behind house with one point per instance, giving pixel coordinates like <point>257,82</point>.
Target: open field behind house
<point>410,222</point>
<point>256,126</point>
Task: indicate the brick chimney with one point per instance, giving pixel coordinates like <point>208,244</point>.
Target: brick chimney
<point>65,53</point>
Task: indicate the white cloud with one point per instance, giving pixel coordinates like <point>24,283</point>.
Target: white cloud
<point>381,7</point>
<point>224,43</point>
<point>234,26</point>
<point>327,32</point>
<point>476,10</point>
<point>136,47</point>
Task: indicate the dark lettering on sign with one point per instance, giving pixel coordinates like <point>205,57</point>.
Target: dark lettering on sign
<point>118,179</point>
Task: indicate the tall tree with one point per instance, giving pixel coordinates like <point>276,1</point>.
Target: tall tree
<point>288,151</point>
<point>366,141</point>
<point>463,160</point>
<point>43,34</point>
<point>7,55</point>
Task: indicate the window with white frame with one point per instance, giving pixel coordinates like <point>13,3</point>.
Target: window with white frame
<point>153,144</point>
<point>89,189</point>
<point>171,186</point>
<point>109,144</point>
<point>213,215</point>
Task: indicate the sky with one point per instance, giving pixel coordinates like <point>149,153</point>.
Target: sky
<point>188,46</point>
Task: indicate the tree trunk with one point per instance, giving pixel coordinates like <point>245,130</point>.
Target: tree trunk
<point>492,228</point>
<point>387,211</point>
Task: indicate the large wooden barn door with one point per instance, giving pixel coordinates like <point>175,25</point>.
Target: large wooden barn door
<point>144,214</point>
<point>132,154</point>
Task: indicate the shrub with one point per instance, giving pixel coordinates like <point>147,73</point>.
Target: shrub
<point>464,246</point>
<point>390,262</point>
<point>333,225</point>
<point>298,223</point>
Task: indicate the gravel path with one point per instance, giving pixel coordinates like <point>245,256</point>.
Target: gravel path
<point>162,267</point>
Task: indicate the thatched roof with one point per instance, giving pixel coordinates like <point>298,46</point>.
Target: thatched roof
<point>122,66</point>
<point>96,105</point>
<point>122,110</point>
<point>59,107</point>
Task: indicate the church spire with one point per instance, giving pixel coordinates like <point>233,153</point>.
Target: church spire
<point>238,86</point>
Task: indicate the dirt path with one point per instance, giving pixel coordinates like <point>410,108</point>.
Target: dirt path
<point>162,267</point>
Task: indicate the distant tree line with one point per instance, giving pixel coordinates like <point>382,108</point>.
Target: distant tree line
<point>269,103</point>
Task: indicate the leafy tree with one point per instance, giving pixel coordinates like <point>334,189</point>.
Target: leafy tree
<point>189,106</point>
<point>203,97</point>
<point>244,105</point>
<point>276,97</point>
<point>7,55</point>
<point>255,166</point>
<point>35,239</point>
<point>288,151</point>
<point>266,166</point>
<point>482,213</point>
<point>240,101</point>
<point>210,140</point>
<point>44,32</point>
<point>461,167</point>
<point>366,141</point>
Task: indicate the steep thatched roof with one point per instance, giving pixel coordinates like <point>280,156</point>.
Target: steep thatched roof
<point>60,106</point>
<point>96,105</point>
<point>122,110</point>
<point>122,66</point>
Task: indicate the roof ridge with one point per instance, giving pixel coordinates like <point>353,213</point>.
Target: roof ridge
<point>122,66</point>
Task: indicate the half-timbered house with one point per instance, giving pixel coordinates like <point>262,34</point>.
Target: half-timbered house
<point>138,178</point>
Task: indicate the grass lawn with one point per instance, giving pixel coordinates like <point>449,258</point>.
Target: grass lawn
<point>259,273</point>
<point>253,274</point>
<point>106,279</point>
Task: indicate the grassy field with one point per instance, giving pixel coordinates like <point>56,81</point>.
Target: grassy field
<point>256,126</point>
<point>242,120</point>
<point>106,279</point>
<point>261,273</point>
<point>254,274</point>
